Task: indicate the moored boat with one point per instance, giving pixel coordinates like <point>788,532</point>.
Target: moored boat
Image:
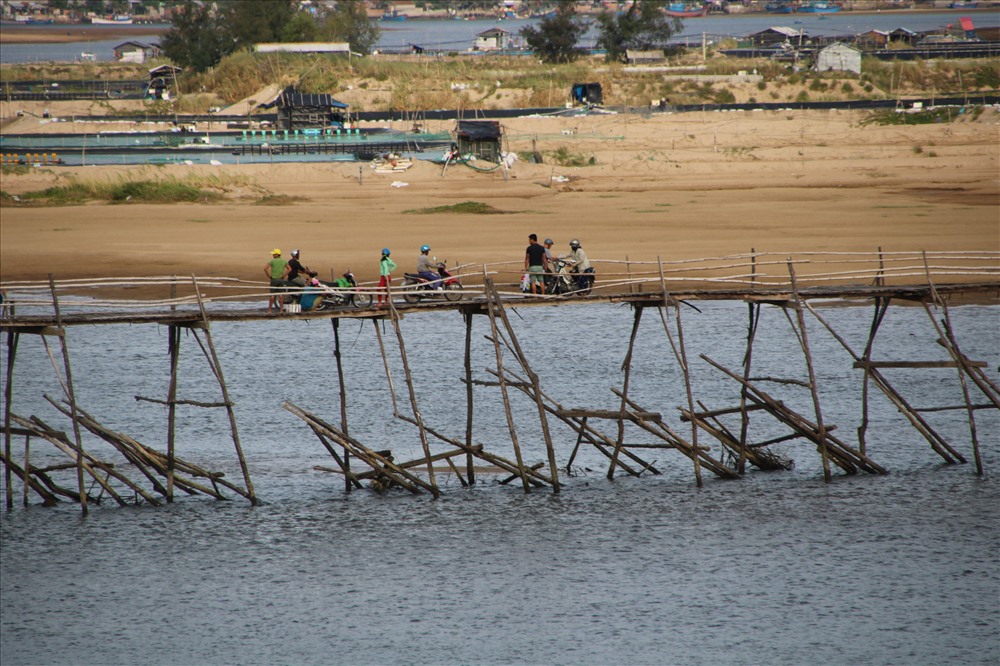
<point>117,19</point>
<point>393,15</point>
<point>818,7</point>
<point>681,10</point>
<point>779,7</point>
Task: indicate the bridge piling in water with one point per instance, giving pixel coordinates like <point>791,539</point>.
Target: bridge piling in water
<point>166,471</point>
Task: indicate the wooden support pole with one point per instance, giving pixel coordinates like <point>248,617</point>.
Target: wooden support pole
<point>752,322</point>
<point>804,344</point>
<point>681,357</point>
<point>469,469</point>
<point>346,464</point>
<point>946,337</point>
<point>534,478</point>
<point>8,394</point>
<point>938,443</point>
<point>385,364</point>
<point>396,473</point>
<point>664,432</point>
<point>394,316</point>
<point>217,371</point>
<point>70,396</point>
<point>576,447</point>
<point>174,348</point>
<point>491,309</point>
<point>350,478</point>
<point>27,468</point>
<point>626,368</point>
<point>143,458</point>
<point>577,421</point>
<point>536,389</point>
<point>841,454</point>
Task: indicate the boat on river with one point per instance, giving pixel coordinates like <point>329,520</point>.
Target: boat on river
<point>117,19</point>
<point>818,7</point>
<point>778,7</point>
<point>681,10</point>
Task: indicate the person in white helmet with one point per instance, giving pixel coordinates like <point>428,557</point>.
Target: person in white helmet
<point>297,273</point>
<point>581,264</point>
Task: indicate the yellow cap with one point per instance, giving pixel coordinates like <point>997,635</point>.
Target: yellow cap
<point>275,251</point>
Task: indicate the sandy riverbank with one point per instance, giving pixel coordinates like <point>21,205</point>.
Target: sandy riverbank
<point>673,186</point>
<point>64,34</point>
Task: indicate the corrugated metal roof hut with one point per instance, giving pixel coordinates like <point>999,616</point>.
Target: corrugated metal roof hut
<point>492,40</point>
<point>778,35</point>
<point>479,137</point>
<point>904,35</point>
<point>298,110</point>
<point>873,39</point>
<point>838,57</point>
<point>160,81</point>
<point>136,51</point>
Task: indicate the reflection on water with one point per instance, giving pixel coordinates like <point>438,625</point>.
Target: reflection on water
<point>775,568</point>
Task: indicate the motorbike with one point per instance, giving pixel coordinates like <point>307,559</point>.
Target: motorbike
<point>416,288</point>
<point>563,281</point>
<point>344,291</point>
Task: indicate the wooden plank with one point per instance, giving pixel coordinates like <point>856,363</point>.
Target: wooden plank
<point>917,364</point>
<point>612,414</point>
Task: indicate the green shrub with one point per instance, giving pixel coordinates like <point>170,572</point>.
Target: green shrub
<point>466,207</point>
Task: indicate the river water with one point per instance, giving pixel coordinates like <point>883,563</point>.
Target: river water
<point>775,568</point>
<point>459,36</point>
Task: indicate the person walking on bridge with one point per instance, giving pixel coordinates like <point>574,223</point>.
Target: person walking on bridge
<point>536,264</point>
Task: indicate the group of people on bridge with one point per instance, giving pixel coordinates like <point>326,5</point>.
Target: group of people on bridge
<point>539,261</point>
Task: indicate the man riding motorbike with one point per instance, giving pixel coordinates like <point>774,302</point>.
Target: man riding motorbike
<point>427,269</point>
<point>581,264</point>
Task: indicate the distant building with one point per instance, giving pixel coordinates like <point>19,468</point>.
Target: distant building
<point>838,57</point>
<point>493,39</point>
<point>481,138</point>
<point>873,39</point>
<point>136,51</point>
<point>303,47</point>
<point>298,110</point>
<point>778,35</point>
<point>161,79</point>
<point>904,35</point>
<point>644,57</point>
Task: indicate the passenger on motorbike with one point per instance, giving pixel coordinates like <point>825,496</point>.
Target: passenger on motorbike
<point>548,250</point>
<point>427,268</point>
<point>581,264</point>
<point>312,296</point>
<point>345,281</point>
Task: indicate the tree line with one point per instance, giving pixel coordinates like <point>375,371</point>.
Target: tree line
<point>201,34</point>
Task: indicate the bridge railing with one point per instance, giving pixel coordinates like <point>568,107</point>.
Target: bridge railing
<point>733,275</point>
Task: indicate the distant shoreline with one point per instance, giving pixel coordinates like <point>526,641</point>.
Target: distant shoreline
<point>85,32</point>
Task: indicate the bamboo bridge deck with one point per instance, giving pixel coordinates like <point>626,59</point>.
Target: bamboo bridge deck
<point>928,280</point>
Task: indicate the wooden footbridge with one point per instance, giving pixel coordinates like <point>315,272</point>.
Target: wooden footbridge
<point>147,474</point>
